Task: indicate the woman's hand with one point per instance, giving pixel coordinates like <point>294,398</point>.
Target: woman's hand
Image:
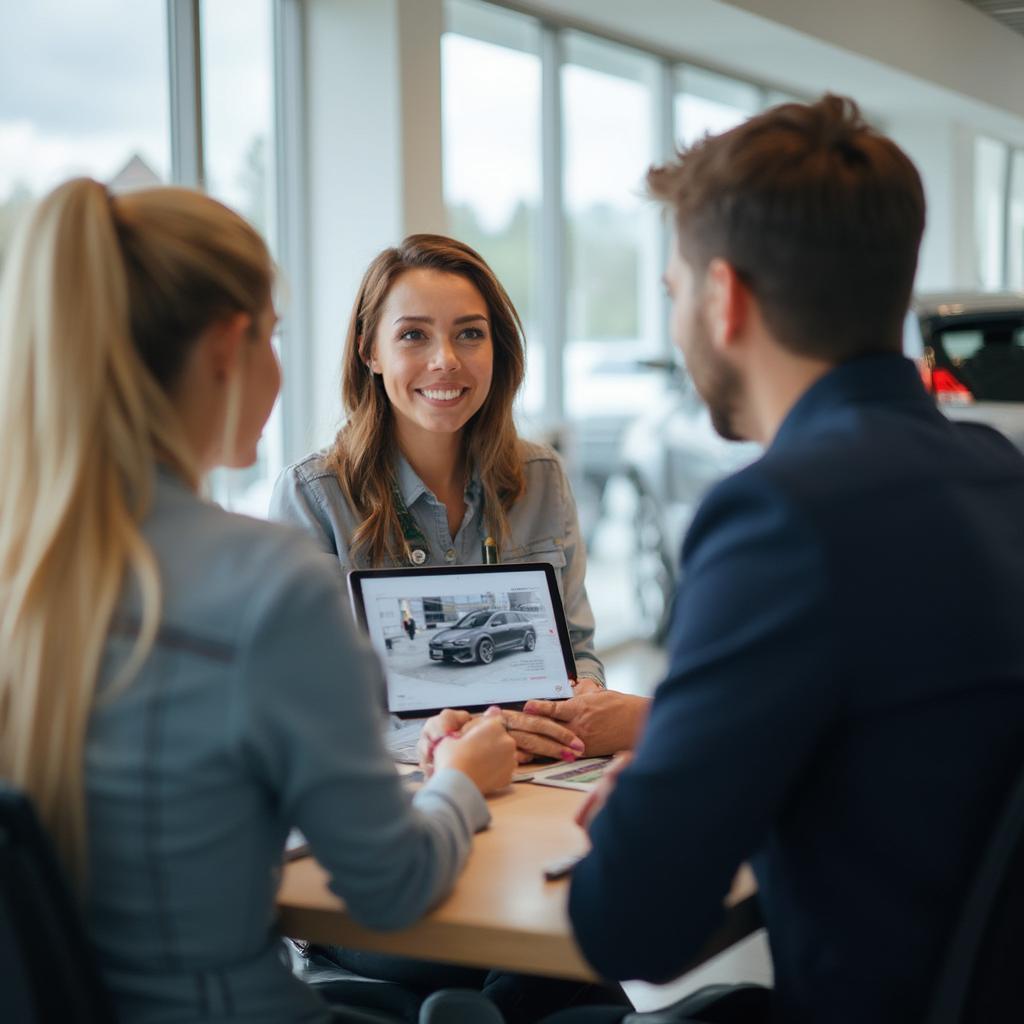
<point>541,737</point>
<point>534,736</point>
<point>483,750</point>
<point>607,721</point>
<point>435,729</point>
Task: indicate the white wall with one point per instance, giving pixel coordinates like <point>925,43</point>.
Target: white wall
<point>943,150</point>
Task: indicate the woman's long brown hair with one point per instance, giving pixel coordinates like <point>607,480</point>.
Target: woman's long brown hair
<point>363,453</point>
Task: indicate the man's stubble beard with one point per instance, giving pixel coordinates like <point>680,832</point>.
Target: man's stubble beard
<point>716,381</point>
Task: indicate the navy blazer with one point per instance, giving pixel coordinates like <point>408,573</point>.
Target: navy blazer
<point>844,706</point>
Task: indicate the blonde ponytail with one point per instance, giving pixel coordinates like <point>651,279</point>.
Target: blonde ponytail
<point>99,303</point>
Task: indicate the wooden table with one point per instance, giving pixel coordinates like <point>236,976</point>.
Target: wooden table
<point>502,913</point>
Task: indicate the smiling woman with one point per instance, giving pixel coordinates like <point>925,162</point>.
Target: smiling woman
<point>429,467</point>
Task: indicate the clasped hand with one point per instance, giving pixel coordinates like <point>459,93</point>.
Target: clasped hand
<point>590,724</point>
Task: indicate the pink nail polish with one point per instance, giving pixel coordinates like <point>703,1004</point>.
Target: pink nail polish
<point>568,755</point>
<point>577,745</point>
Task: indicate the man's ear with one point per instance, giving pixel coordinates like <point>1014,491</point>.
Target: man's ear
<point>726,304</point>
<point>224,342</point>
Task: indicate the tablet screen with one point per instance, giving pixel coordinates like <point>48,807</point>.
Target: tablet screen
<point>463,639</point>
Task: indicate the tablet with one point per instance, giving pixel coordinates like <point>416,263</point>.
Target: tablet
<point>465,636</point>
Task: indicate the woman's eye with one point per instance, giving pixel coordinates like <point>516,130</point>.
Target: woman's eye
<point>413,334</point>
<point>472,334</point>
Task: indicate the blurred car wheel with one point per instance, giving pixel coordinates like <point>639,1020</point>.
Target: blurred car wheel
<point>653,576</point>
<point>485,652</point>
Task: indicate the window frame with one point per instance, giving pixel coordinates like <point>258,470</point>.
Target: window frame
<point>290,200</point>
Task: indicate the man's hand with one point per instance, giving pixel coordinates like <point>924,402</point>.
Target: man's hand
<point>586,685</point>
<point>606,721</point>
<point>598,796</point>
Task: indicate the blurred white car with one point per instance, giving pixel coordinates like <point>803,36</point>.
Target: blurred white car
<point>970,347</point>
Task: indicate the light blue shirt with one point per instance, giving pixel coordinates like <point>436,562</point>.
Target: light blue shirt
<point>257,711</point>
<point>543,527</point>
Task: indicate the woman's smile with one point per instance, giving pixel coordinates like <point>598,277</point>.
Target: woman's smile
<point>443,395</point>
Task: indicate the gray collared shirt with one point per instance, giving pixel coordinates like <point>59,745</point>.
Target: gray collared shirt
<point>543,527</point>
<point>257,710</point>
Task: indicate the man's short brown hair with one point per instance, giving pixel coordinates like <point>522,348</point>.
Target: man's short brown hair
<point>820,215</point>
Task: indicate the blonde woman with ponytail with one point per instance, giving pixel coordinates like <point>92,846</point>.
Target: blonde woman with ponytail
<point>180,685</point>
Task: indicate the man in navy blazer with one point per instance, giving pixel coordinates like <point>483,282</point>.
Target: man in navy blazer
<point>844,707</point>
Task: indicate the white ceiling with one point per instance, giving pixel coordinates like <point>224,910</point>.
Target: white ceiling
<point>1009,12</point>
<point>915,58</point>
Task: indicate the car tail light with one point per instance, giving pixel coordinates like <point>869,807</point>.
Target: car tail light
<point>947,388</point>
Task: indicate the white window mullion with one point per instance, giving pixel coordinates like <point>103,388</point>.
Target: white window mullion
<point>1007,219</point>
<point>292,215</point>
<point>186,91</point>
<point>551,262</point>
<point>656,306</point>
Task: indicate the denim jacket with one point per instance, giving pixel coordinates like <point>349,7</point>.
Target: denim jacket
<point>543,527</point>
<point>257,710</point>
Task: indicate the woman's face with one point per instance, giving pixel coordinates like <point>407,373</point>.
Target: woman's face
<point>434,352</point>
<point>260,383</point>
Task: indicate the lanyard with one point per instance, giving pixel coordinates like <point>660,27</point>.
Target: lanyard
<point>412,536</point>
<point>416,544</point>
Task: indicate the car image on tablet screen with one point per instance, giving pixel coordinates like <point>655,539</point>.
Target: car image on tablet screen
<point>478,635</point>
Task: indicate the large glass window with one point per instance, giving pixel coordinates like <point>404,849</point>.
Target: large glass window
<point>83,90</point>
<point>708,103</point>
<point>238,155</point>
<point>614,261</point>
<point>608,146</point>
<point>609,142</point>
<point>990,169</point>
<point>490,95</point>
<point>238,107</point>
<point>1015,223</point>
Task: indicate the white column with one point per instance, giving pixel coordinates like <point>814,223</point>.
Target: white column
<point>373,88</point>
<point>552,262</point>
<point>420,25</point>
<point>943,151</point>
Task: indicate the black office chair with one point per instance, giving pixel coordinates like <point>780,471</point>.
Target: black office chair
<point>47,964</point>
<point>48,969</point>
<point>979,982</point>
<point>356,1000</point>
